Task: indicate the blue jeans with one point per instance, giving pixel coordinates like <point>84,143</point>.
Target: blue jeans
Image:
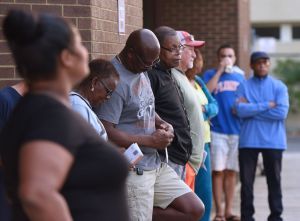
<point>272,159</point>
<point>203,185</point>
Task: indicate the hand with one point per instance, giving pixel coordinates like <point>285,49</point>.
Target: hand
<point>203,108</point>
<point>122,149</point>
<point>223,63</point>
<point>166,126</point>
<point>233,111</point>
<point>162,138</point>
<point>272,104</point>
<point>242,100</point>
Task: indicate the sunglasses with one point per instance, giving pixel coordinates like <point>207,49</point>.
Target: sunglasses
<point>145,66</point>
<point>107,89</point>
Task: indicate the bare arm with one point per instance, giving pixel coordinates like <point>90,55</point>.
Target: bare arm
<point>160,139</point>
<point>44,166</point>
<point>213,82</point>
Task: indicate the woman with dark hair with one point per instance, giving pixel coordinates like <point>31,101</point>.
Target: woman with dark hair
<point>94,90</point>
<point>55,164</point>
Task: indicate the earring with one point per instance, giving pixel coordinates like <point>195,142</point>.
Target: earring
<point>92,89</point>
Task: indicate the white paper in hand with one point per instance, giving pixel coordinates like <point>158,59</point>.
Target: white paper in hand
<point>133,154</point>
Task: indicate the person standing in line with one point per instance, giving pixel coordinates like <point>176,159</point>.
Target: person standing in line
<point>169,103</point>
<point>93,91</point>
<point>222,82</point>
<point>203,183</point>
<point>55,163</point>
<point>262,104</point>
<point>9,97</point>
<point>192,105</point>
<point>155,192</point>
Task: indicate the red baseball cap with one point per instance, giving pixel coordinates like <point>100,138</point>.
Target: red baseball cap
<point>188,39</point>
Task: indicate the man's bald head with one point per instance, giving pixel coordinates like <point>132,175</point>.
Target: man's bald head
<point>141,50</point>
<point>143,40</point>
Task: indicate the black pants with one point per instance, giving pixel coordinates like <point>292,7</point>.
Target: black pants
<point>5,210</point>
<point>272,160</point>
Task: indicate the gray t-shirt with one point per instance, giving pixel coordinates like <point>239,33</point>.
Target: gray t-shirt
<point>131,108</point>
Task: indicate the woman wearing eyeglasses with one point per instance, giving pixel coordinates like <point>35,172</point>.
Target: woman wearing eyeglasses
<point>94,90</point>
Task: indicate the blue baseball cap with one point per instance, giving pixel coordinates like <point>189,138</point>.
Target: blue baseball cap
<point>258,55</point>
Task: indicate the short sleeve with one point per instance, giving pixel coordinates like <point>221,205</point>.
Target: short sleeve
<point>58,125</point>
<point>111,109</point>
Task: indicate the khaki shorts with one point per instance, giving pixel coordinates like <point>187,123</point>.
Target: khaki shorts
<point>158,188</point>
<point>224,152</point>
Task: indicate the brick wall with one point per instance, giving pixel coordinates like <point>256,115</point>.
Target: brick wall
<point>97,21</point>
<point>215,21</point>
<point>244,37</point>
<point>105,40</point>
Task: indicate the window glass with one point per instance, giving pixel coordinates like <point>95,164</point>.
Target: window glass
<point>296,32</point>
<point>267,32</point>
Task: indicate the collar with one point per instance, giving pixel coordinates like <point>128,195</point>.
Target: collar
<point>161,66</point>
<point>260,78</point>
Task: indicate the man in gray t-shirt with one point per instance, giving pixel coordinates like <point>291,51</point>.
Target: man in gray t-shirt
<point>129,117</point>
<point>131,109</point>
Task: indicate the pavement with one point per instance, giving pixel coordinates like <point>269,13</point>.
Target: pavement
<point>290,187</point>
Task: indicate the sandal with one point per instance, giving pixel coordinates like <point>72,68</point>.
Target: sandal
<point>219,218</point>
<point>233,218</point>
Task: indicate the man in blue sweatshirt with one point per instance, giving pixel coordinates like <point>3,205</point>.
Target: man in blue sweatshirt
<point>262,104</point>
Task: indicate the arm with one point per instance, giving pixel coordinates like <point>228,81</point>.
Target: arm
<point>44,167</point>
<point>211,109</point>
<point>280,111</point>
<point>160,139</point>
<point>244,109</point>
<point>213,82</point>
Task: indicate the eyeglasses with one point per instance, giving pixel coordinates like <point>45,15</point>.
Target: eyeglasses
<point>174,50</point>
<point>145,66</point>
<point>107,89</point>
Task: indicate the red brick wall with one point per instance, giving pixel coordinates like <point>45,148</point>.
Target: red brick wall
<point>105,40</point>
<point>97,21</point>
<point>215,21</point>
<point>244,37</point>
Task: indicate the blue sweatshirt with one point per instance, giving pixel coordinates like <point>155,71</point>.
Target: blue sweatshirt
<point>225,122</point>
<point>262,126</point>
